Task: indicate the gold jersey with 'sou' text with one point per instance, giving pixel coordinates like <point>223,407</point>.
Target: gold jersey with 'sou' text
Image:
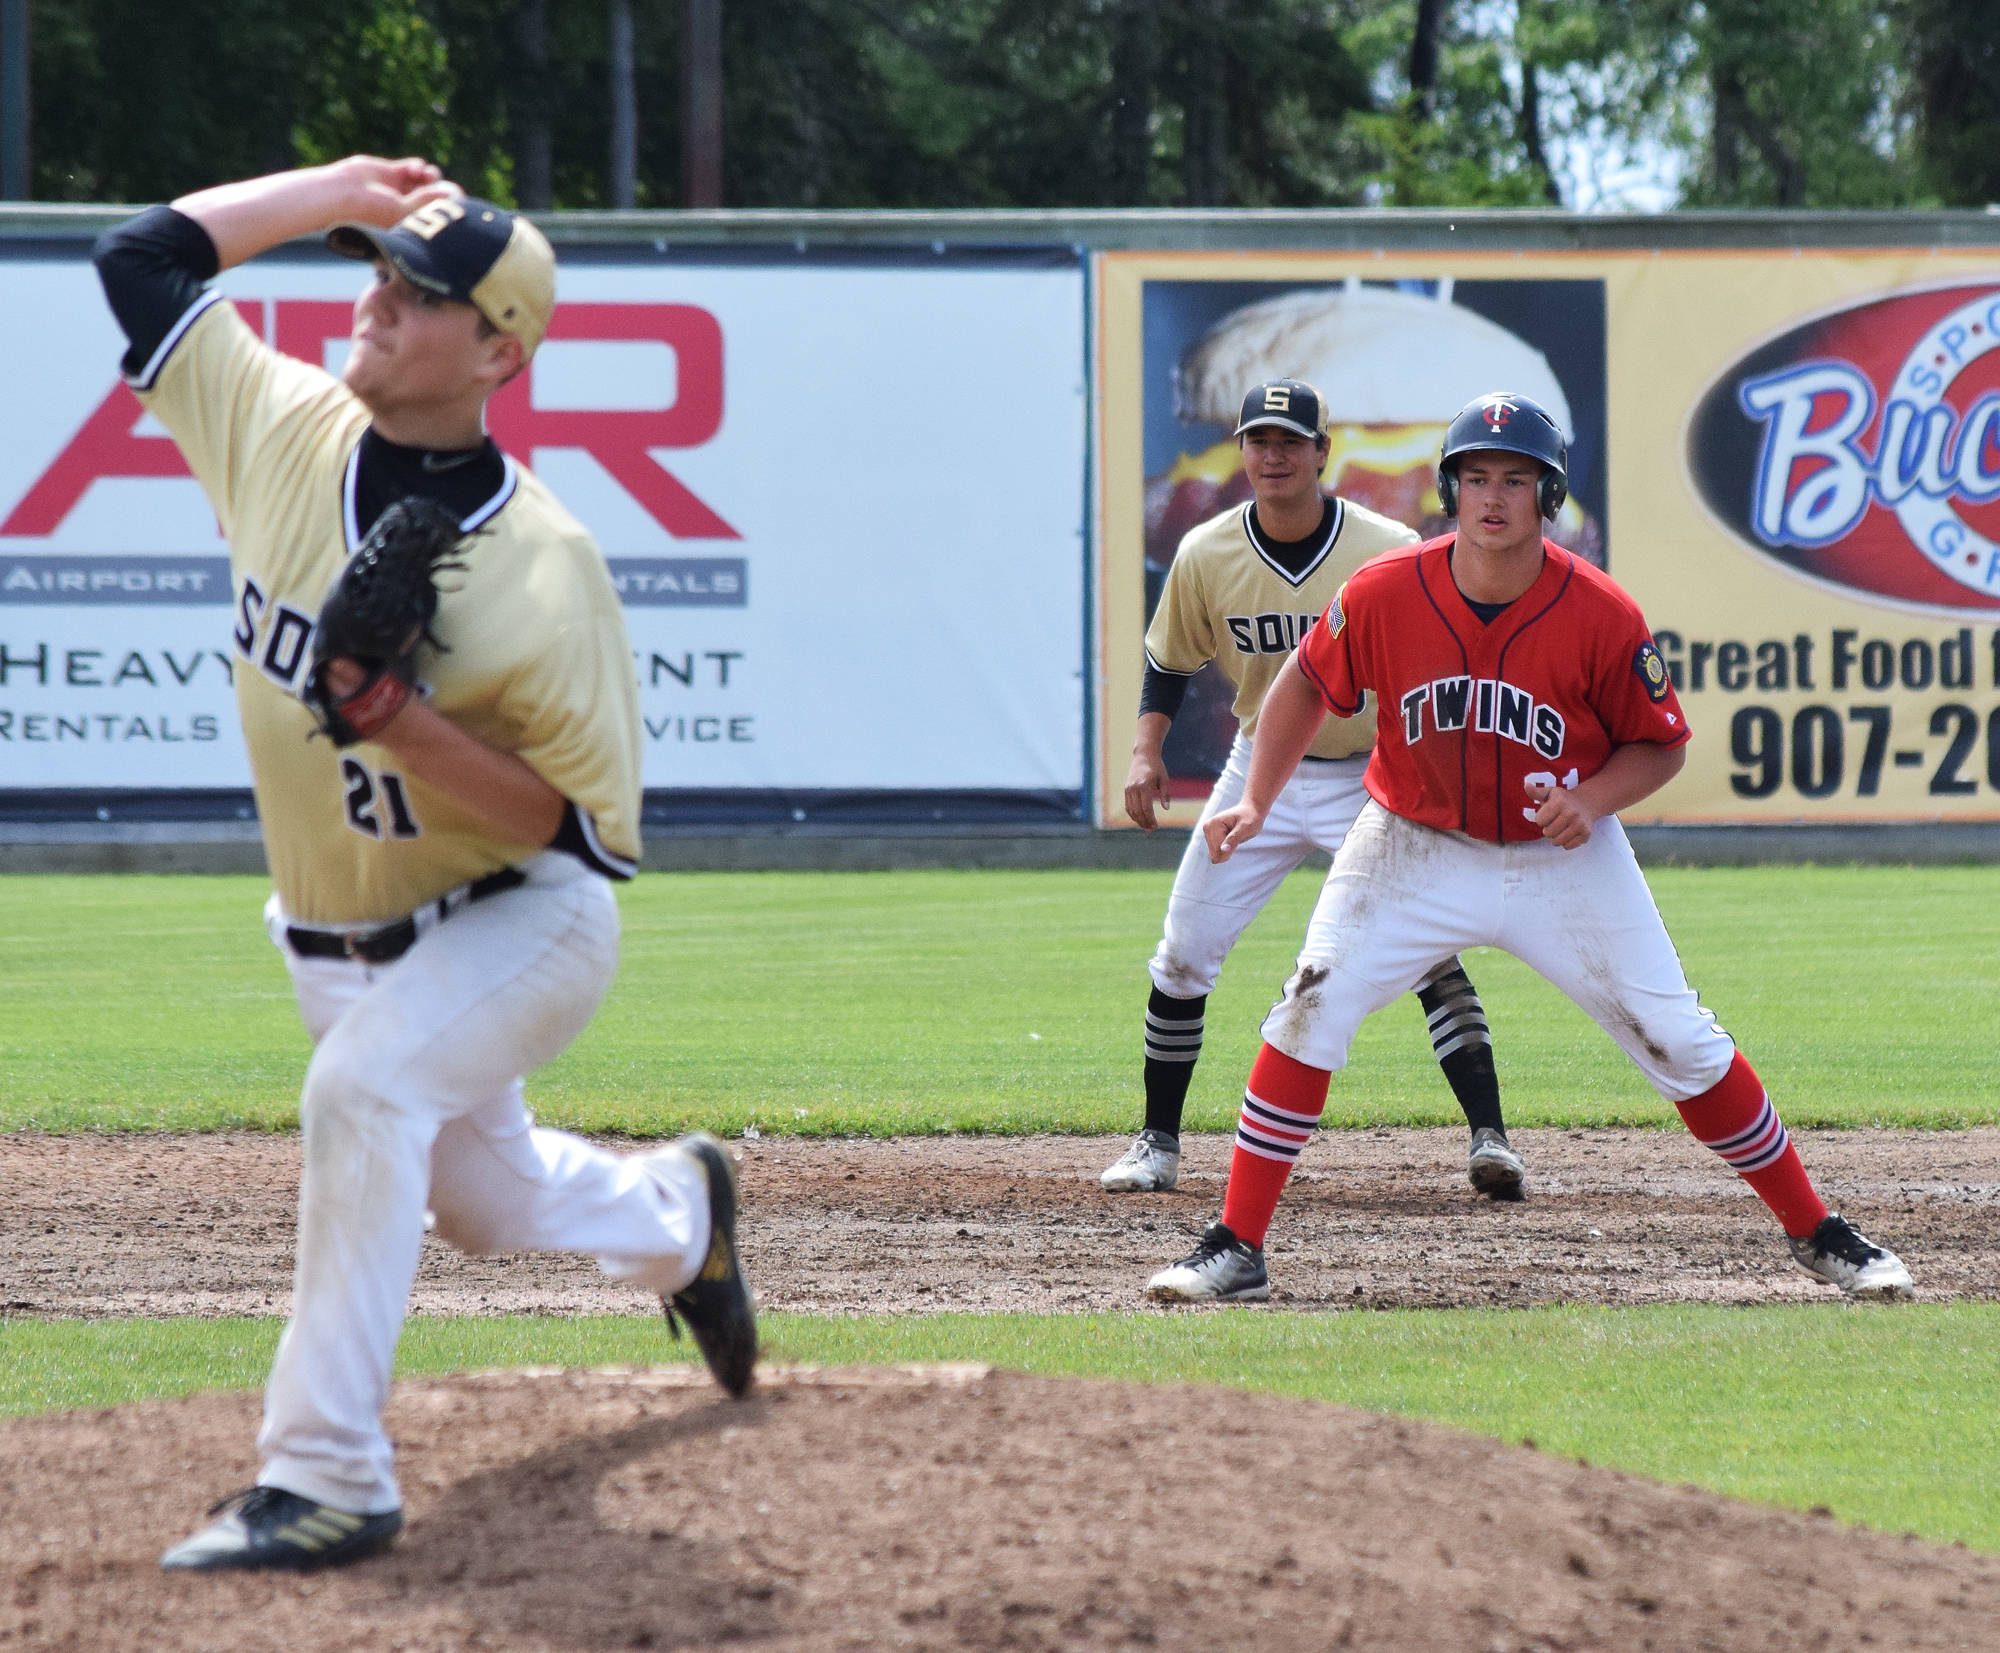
<point>1227,599</point>
<point>536,658</point>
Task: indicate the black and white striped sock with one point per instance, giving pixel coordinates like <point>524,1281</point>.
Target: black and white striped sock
<point>1173,1046</point>
<point>1462,1043</point>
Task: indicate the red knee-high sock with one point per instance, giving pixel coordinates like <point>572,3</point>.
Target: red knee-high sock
<point>1281,1105</point>
<point>1736,1119</point>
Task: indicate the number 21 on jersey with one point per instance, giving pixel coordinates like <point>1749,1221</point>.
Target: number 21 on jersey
<point>1541,785</point>
<point>377,805</point>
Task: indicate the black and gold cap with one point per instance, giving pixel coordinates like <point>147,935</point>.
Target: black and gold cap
<point>1291,404</point>
<point>472,252</point>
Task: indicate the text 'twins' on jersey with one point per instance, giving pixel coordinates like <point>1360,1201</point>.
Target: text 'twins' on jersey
<point>1473,716</point>
<point>1228,600</point>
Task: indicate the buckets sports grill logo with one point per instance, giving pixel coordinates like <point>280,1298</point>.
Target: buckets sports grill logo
<point>1862,449</point>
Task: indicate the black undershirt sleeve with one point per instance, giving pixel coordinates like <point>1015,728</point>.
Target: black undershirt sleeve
<point>573,839</point>
<point>1162,692</point>
<point>153,268</point>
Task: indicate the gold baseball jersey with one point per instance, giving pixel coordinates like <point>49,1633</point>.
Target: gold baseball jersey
<point>1227,599</point>
<point>536,659</point>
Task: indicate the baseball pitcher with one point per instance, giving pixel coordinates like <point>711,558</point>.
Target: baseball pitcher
<point>437,694</point>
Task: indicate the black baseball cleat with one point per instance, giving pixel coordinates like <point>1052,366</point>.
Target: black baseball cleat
<point>1222,1269</point>
<point>270,1528</point>
<point>1840,1254</point>
<point>1494,1167</point>
<point>716,1303</point>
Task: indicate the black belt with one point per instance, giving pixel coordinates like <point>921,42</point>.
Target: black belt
<point>392,941</point>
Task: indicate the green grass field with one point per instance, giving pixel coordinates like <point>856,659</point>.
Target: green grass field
<point>883,1003</point>
<point>1891,1417</point>
<point>868,1003</point>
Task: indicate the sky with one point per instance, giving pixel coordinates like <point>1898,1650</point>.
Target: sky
<point>1597,172</point>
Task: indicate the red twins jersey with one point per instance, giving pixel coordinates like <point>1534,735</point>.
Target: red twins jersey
<point>1472,715</point>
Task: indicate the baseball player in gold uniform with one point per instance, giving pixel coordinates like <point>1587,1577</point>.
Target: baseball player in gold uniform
<point>442,887</point>
<point>1243,589</point>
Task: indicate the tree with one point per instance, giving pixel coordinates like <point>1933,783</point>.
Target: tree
<point>1043,103</point>
<point>1801,98</point>
<point>1127,102</point>
<point>377,80</point>
<point>1470,129</point>
<point>1424,42</point>
<point>138,102</point>
<point>1954,97</point>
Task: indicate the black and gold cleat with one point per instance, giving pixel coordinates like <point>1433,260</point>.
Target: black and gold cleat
<point>716,1303</point>
<point>268,1527</point>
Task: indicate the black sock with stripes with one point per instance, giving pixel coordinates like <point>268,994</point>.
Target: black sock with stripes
<point>1173,1046</point>
<point>1463,1045</point>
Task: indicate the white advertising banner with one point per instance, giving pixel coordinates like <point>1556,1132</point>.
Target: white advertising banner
<point>844,503</point>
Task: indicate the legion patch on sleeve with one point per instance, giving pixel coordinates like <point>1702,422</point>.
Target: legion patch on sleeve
<point>1652,671</point>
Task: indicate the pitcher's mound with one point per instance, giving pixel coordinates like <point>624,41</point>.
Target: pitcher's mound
<point>942,1507</point>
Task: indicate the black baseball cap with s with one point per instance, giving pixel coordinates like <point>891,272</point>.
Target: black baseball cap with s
<point>1290,404</point>
<point>470,251</point>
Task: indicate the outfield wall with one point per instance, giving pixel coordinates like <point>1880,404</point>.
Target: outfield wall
<point>842,498</point>
<point>889,495</point>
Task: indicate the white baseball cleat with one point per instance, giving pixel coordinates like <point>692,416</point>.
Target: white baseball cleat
<point>1222,1269</point>
<point>1152,1165</point>
<point>1494,1168</point>
<point>1840,1254</point>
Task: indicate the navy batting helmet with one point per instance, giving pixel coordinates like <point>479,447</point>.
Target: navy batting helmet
<point>1511,424</point>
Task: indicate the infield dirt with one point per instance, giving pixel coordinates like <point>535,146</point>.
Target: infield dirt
<point>955,1508</point>
<point>160,1225</point>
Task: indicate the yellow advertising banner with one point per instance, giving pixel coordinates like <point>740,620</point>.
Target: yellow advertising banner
<point>1790,459</point>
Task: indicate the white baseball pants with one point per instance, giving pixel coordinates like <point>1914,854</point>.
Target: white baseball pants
<point>413,1100</point>
<point>1211,906</point>
<point>1400,896</point>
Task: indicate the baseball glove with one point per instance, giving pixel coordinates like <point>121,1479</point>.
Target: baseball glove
<point>377,614</point>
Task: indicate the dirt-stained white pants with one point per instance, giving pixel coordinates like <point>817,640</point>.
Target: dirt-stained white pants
<point>1212,905</point>
<point>413,1101</point>
<point>1400,895</point>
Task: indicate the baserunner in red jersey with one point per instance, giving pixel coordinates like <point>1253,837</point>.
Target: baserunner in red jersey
<point>1522,703</point>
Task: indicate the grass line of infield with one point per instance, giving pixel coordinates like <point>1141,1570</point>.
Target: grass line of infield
<point>889,1003</point>
<point>1890,1417</point>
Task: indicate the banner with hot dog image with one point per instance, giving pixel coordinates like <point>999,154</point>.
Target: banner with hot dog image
<point>1792,461</point>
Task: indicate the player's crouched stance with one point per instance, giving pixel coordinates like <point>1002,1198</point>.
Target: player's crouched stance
<point>447,776</point>
<point>1533,706</point>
